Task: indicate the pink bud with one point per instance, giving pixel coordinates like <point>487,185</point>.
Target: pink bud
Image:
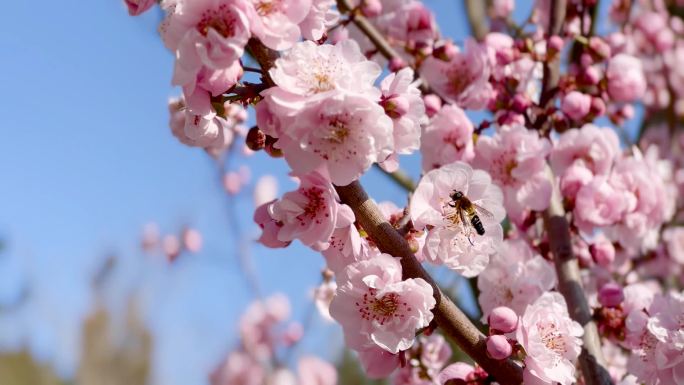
<point>396,106</point>
<point>232,182</point>
<point>396,64</point>
<point>136,7</point>
<point>586,60</point>
<point>520,103</point>
<point>503,319</point>
<point>664,40</point>
<point>590,75</point>
<point>171,246</point>
<point>446,51</point>
<point>498,347</point>
<point>611,295</point>
<point>600,47</point>
<point>627,111</point>
<point>603,252</point>
<point>192,240</point>
<point>555,44</point>
<point>576,105</point>
<point>432,104</point>
<point>598,107</point>
<point>371,8</point>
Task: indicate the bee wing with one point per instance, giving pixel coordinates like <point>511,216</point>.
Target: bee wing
<point>484,214</point>
<point>467,230</point>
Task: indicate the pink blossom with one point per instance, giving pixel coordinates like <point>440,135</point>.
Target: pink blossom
<point>447,138</point>
<point>323,295</point>
<point>394,215</point>
<point>674,239</point>
<point>602,251</point>
<point>265,190</point>
<point>192,240</point>
<point>457,371</point>
<point>463,80</point>
<point>598,204</point>
<point>502,8</point>
<point>625,76</point>
<point>309,72</point>
<point>321,16</point>
<point>515,158</point>
<point>171,246</point>
<point>238,369</point>
<point>311,213</point>
<point>592,147</point>
<point>314,371</point>
<point>573,178</point>
<point>377,362</point>
<point>346,246</point>
<point>452,242</point>
<point>276,21</point>
<point>258,322</point>
<point>551,340</point>
<point>403,103</point>
<point>576,105</point>
<point>263,216</point>
<point>611,295</point>
<point>375,307</point>
<point>136,7</point>
<point>425,360</point>
<point>515,277</point>
<point>344,134</point>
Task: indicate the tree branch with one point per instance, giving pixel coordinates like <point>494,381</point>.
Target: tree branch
<point>453,322</point>
<point>476,18</point>
<point>369,30</point>
<point>558,231</point>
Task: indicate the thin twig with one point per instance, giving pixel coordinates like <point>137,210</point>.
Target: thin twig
<point>399,177</point>
<point>477,18</point>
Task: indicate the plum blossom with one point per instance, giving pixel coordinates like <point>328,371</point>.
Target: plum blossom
<point>403,103</point>
<point>594,147</point>
<point>464,79</point>
<point>375,307</point>
<point>344,134</point>
<point>238,368</point>
<point>277,21</point>
<point>321,16</point>
<point>203,129</point>
<point>576,105</point>
<point>515,158</point>
<point>626,82</point>
<point>346,246</point>
<point>425,360</point>
<point>551,340</point>
<point>515,278</point>
<point>269,226</point>
<point>599,203</point>
<point>674,239</point>
<point>656,338</point>
<point>377,362</point>
<point>447,138</point>
<point>323,295</point>
<point>311,213</point>
<point>312,370</point>
<point>309,72</point>
<point>451,242</point>
<point>257,325</point>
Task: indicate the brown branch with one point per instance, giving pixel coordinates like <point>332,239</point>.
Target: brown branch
<point>369,30</point>
<point>476,18</point>
<point>558,231</point>
<point>453,322</point>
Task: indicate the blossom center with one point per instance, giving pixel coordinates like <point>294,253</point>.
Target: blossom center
<point>265,8</point>
<point>338,130</point>
<point>552,338</point>
<point>222,20</point>
<point>381,309</point>
<point>315,204</point>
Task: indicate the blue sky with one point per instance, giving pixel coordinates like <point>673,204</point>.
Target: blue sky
<point>87,159</point>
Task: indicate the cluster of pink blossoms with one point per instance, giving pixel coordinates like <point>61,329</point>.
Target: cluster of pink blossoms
<point>323,107</point>
<point>263,337</point>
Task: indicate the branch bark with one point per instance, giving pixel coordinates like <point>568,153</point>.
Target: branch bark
<point>591,359</point>
<point>475,10</point>
<point>453,322</point>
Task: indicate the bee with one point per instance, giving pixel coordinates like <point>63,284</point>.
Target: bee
<point>467,214</point>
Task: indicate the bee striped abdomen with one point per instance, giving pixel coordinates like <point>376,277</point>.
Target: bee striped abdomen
<point>477,224</point>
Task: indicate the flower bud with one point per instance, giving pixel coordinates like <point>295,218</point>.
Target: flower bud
<point>371,8</point>
<point>590,75</point>
<point>395,106</point>
<point>432,104</point>
<point>603,252</point>
<point>192,240</point>
<point>503,319</point>
<point>256,139</point>
<point>554,45</point>
<point>520,103</point>
<point>600,47</point>
<point>498,347</point>
<point>611,295</point>
<point>576,105</point>
<point>136,7</point>
<point>446,51</point>
<point>598,107</point>
<point>396,64</point>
